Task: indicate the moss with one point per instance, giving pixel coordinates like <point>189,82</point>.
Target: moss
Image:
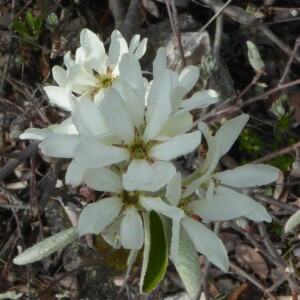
<point>115,258</point>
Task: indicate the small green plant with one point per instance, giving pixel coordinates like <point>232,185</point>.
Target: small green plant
<point>251,143</point>
<point>29,28</point>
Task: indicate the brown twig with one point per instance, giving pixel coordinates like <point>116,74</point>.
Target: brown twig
<point>218,11</point>
<point>277,153</point>
<point>172,12</point>
<point>289,63</point>
<point>272,201</point>
<point>278,261</point>
<point>50,180</point>
<point>128,281</point>
<point>126,18</point>
<point>232,109</point>
<point>241,16</point>
<point>131,23</point>
<point>246,275</point>
<point>247,88</point>
<point>14,162</point>
<point>218,38</point>
<point>118,9</point>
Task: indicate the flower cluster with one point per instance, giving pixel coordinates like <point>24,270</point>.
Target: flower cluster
<point>122,136</point>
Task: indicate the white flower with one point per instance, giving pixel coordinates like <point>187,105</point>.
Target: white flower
<point>65,127</point>
<point>125,203</point>
<point>92,70</point>
<point>182,84</point>
<point>204,240</point>
<point>217,198</point>
<point>138,129</point>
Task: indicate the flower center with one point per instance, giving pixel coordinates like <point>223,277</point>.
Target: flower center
<point>139,149</point>
<point>130,198</point>
<point>183,204</point>
<point>104,81</point>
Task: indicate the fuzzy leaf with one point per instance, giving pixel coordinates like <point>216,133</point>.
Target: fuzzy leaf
<point>254,57</point>
<point>188,267</point>
<point>47,247</point>
<point>292,222</point>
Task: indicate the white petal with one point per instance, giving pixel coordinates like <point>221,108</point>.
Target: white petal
<point>74,174</point>
<point>162,172</point>
<point>68,60</point>
<point>93,154</point>
<point>158,105</point>
<point>102,179</point>
<point>81,78</point>
<point>60,145</point>
<point>94,50</point>
<point>111,234</point>
<point>176,146</point>
<point>138,174</point>
<point>65,127</point>
<point>178,124</point>
<point>173,193</point>
<point>130,71</point>
<point>144,176</point>
<point>209,166</point>
<point>96,216</point>
<point>188,77</point>
<point>87,118</point>
<point>178,93</point>
<point>35,134</point>
<point>135,104</point>
<point>229,132</point>
<point>114,53</point>
<point>58,96</point>
<point>60,76</point>
<point>151,203</point>
<point>220,207</point>
<point>259,214</point>
<point>134,43</point>
<point>175,242</point>
<point>214,150</point>
<point>200,99</point>
<point>141,49</point>
<point>210,190</point>
<point>248,176</point>
<point>116,115</point>
<point>160,62</point>
<point>131,232</point>
<point>206,242</point>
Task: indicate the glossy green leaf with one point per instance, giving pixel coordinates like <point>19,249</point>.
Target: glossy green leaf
<point>30,19</point>
<point>21,28</point>
<point>155,252</point>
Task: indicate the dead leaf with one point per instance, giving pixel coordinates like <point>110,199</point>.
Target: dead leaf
<point>251,259</point>
<point>294,101</point>
<point>238,292</point>
<point>151,7</point>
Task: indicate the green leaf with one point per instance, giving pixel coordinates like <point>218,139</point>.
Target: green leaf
<point>189,266</point>
<point>292,222</point>
<point>47,247</point>
<point>254,57</point>
<point>155,252</point>
<point>30,19</point>
<point>21,28</point>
